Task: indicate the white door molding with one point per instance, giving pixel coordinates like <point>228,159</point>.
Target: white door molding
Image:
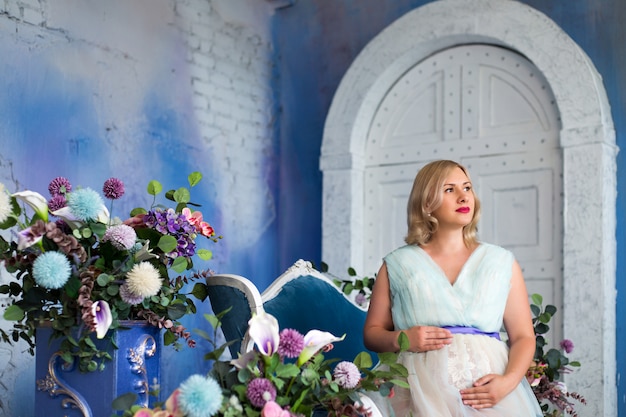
<point>587,140</point>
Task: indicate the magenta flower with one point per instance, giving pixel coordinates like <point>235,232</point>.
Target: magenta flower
<point>260,391</point>
<point>56,202</point>
<point>291,343</point>
<point>567,345</point>
<point>102,317</point>
<point>113,188</point>
<point>59,186</point>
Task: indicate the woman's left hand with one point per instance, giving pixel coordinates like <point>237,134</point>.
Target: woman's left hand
<point>486,392</point>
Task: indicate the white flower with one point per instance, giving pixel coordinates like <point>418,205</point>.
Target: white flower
<point>264,331</point>
<point>5,204</point>
<point>143,280</point>
<point>36,201</point>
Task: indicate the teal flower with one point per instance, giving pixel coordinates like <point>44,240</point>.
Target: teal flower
<point>51,270</point>
<point>85,204</point>
<point>200,396</point>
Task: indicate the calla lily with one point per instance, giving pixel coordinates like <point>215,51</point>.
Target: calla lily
<point>102,317</point>
<point>66,215</point>
<point>36,201</point>
<point>243,360</point>
<point>26,238</point>
<point>315,340</point>
<point>265,332</point>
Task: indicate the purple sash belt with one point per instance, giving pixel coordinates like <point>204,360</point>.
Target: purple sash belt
<point>471,330</point>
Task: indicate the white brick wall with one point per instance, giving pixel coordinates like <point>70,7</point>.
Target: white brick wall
<point>229,70</point>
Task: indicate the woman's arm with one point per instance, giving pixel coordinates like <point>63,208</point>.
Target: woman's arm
<point>379,334</point>
<point>490,389</point>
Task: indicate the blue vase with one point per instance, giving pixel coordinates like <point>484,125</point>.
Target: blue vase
<point>63,391</point>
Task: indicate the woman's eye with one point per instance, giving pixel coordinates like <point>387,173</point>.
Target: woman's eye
<point>447,190</point>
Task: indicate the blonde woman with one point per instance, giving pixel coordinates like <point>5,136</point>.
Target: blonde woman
<point>451,294</point>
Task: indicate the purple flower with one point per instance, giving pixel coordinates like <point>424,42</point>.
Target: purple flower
<point>129,297</point>
<point>113,188</point>
<point>291,343</point>
<point>260,391</point>
<point>567,345</point>
<point>347,375</point>
<point>59,186</point>
<point>169,222</point>
<point>121,236</point>
<point>57,202</point>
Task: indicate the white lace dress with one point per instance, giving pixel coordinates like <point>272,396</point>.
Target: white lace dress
<point>422,295</point>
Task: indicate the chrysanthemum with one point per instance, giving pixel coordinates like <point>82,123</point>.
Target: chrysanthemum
<point>121,236</point>
<point>347,375</point>
<point>51,270</point>
<point>143,280</point>
<point>200,396</point>
<point>5,204</point>
<point>113,188</point>
<point>260,391</point>
<point>128,297</point>
<point>85,204</point>
<point>291,343</point>
<point>59,186</point>
<point>56,202</point>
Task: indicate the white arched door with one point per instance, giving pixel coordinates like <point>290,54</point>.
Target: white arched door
<point>492,110</point>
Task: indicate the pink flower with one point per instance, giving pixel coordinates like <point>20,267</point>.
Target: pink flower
<point>272,409</point>
<point>195,219</point>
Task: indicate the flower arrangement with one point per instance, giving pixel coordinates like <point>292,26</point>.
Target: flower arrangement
<point>287,375</point>
<point>544,375</point>
<point>85,272</point>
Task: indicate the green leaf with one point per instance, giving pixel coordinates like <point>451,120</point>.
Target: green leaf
<point>13,313</point>
<point>204,254</point>
<point>550,309</point>
<point>200,291</point>
<point>182,195</point>
<point>535,310</point>
<point>574,363</point>
<point>104,279</point>
<point>180,264</point>
<point>154,187</point>
<point>351,272</point>
<point>537,299</point>
<point>168,338</point>
<point>403,342</point>
<point>167,243</point>
<point>138,210</point>
<point>124,401</point>
<point>194,178</point>
<point>363,360</point>
<point>176,311</point>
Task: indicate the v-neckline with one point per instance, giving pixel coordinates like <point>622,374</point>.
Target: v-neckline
<point>442,272</point>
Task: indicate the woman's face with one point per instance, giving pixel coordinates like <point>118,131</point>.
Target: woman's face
<point>457,204</point>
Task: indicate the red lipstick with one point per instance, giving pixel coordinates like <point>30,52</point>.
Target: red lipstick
<point>463,209</point>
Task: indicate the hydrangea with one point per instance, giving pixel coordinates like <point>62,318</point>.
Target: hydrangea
<point>169,222</point>
<point>291,343</point>
<point>200,396</point>
<point>51,270</point>
<point>5,204</point>
<point>260,391</point>
<point>121,236</point>
<point>85,204</point>
<point>143,280</point>
<point>113,188</point>
<point>347,374</point>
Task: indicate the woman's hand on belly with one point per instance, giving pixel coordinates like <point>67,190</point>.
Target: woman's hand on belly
<point>425,338</point>
<point>487,391</point>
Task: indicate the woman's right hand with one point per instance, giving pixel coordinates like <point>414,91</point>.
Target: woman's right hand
<point>425,338</point>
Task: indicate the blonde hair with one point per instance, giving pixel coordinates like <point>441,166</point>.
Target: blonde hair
<point>426,196</point>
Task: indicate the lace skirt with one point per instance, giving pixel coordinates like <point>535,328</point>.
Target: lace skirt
<point>435,378</point>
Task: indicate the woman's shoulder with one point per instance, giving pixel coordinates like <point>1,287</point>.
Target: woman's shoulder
<point>492,250</point>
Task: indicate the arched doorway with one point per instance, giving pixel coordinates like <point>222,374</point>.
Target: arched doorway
<point>586,140</point>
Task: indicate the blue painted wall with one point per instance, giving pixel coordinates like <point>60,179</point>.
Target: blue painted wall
<point>317,41</point>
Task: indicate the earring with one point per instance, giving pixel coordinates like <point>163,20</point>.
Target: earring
<point>428,214</point>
